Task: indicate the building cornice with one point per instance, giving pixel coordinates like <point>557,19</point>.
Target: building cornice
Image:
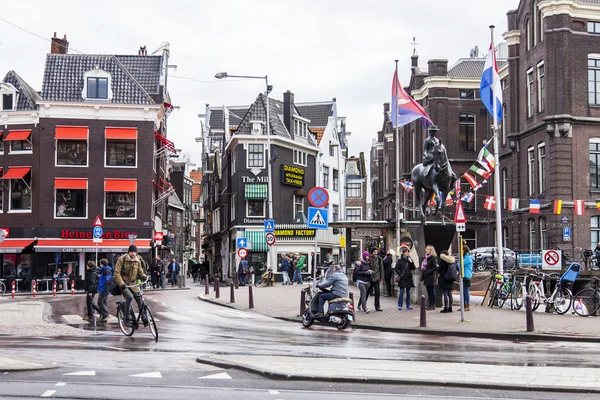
<point>119,112</point>
<point>19,118</point>
<point>571,7</point>
<point>447,82</point>
<point>512,37</point>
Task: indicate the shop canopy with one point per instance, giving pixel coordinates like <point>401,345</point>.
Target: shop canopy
<point>89,246</point>
<point>70,183</point>
<point>121,133</point>
<point>16,172</point>
<point>257,241</point>
<point>18,135</point>
<point>120,185</point>
<point>14,245</point>
<point>71,132</point>
<point>256,191</point>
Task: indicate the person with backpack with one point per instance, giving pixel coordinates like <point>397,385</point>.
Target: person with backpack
<point>92,275</point>
<point>128,269</point>
<point>404,277</point>
<point>468,275</point>
<point>447,275</point>
<point>243,271</point>
<point>105,276</point>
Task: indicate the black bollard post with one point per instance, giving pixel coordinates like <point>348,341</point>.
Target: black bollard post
<point>352,298</point>
<point>423,313</point>
<point>236,279</point>
<point>217,293</point>
<point>206,291</point>
<point>529,314</point>
<point>232,296</point>
<point>302,302</point>
<point>250,297</point>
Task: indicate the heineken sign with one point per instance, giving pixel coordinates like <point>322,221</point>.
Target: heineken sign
<point>292,175</point>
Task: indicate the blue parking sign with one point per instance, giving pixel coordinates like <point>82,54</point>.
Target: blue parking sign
<point>566,234</point>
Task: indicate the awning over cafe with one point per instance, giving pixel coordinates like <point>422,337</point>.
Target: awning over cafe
<point>89,246</point>
<point>14,245</point>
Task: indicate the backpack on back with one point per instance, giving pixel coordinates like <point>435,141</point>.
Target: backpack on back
<point>452,272</point>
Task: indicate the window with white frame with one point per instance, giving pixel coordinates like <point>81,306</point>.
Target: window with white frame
<point>232,164</point>
<point>543,234</point>
<point>326,177</point>
<point>593,27</point>
<point>530,171</point>
<point>466,131</point>
<point>594,149</point>
<point>216,220</point>
<point>71,203</point>
<point>466,94</point>
<point>335,211</point>
<point>121,152</point>
<point>255,208</point>
<point>8,101</point>
<point>354,190</point>
<point>528,38</point>
<point>20,145</point>
<point>300,128</point>
<point>71,152</point>
<point>300,158</point>
<point>298,205</point>
<point>120,205</point>
<point>331,149</point>
<point>542,167</point>
<point>96,85</point>
<point>20,193</point>
<point>540,86</point>
<point>353,214</point>
<point>336,180</point>
<point>256,155</point>
<point>535,16</point>
<point>530,93</point>
<point>595,231</point>
<point>594,79</point>
<point>232,207</point>
<point>532,235</point>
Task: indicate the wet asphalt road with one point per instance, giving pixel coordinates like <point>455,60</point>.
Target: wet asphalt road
<point>190,328</point>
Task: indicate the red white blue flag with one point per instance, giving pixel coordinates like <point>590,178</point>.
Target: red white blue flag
<point>404,108</point>
<point>491,89</point>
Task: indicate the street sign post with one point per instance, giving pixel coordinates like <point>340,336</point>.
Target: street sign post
<point>318,218</point>
<point>242,243</point>
<point>270,239</point>
<point>318,197</point>
<point>552,259</point>
<point>566,234</point>
<point>242,252</point>
<point>97,234</point>
<point>269,225</point>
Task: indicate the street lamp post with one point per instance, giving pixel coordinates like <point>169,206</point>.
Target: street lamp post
<point>223,75</point>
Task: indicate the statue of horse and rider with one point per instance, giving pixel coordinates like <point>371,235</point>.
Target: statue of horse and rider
<point>433,176</point>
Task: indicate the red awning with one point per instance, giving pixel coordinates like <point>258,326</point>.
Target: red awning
<point>88,245</point>
<point>121,133</point>
<point>16,173</point>
<point>170,145</point>
<point>71,132</point>
<point>120,185</point>
<point>18,135</point>
<point>70,183</point>
<point>14,245</point>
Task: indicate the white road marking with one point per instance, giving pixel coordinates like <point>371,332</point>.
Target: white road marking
<point>61,384</point>
<point>115,348</point>
<point>222,375</point>
<point>44,338</point>
<point>273,392</point>
<point>174,316</point>
<point>73,341</point>
<point>75,319</point>
<point>82,373</point>
<point>48,393</point>
<point>148,375</point>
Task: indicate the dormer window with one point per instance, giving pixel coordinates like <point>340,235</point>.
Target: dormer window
<point>300,128</point>
<point>8,97</point>
<point>97,85</point>
<point>7,101</point>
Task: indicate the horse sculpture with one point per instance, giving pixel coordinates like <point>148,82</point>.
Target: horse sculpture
<point>431,180</point>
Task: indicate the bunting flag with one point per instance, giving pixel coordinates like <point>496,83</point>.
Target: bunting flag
<point>557,206</point>
<point>468,197</point>
<point>486,158</point>
<point>513,204</point>
<point>598,204</point>
<point>480,171</point>
<point>534,206</point>
<point>457,188</point>
<point>579,207</point>
<point>432,202</point>
<point>490,203</point>
<point>472,181</point>
<point>449,200</point>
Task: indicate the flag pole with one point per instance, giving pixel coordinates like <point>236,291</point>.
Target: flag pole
<point>397,161</point>
<point>497,171</point>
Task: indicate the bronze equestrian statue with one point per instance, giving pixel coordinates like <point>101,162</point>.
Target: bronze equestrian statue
<point>433,175</point>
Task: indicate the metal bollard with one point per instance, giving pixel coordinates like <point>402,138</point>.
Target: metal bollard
<point>353,305</point>
<point>34,287</point>
<point>250,298</point>
<point>302,302</point>
<point>217,292</point>
<point>14,286</point>
<point>529,314</point>
<point>206,290</point>
<point>72,287</point>
<point>232,296</point>
<point>423,313</point>
<point>54,288</point>
<point>236,280</point>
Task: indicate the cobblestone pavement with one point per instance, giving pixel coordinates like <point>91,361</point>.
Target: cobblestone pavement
<point>284,302</point>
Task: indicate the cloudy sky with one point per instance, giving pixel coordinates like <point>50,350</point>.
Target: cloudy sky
<point>318,49</point>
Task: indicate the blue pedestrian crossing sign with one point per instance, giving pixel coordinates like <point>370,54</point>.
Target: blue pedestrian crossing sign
<point>242,243</point>
<point>269,225</point>
<point>318,218</point>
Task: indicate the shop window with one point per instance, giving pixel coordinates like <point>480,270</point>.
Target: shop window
<point>20,193</point>
<point>71,203</point>
<point>255,208</point>
<point>120,205</point>
<point>121,153</point>
<point>71,152</point>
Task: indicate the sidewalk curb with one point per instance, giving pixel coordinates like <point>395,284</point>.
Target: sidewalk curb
<point>19,366</point>
<point>392,381</point>
<point>520,337</point>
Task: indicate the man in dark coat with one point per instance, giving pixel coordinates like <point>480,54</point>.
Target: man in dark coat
<point>376,277</point>
<point>387,273</point>
<point>403,269</point>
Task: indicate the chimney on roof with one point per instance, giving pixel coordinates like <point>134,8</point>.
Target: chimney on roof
<point>58,45</point>
<point>288,112</point>
<point>142,51</point>
<point>414,60</point>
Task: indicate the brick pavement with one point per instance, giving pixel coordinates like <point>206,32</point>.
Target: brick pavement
<point>284,302</point>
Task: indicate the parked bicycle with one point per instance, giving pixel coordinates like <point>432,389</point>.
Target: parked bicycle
<point>2,288</point>
<point>587,301</point>
<point>135,321</point>
<point>507,287</point>
<point>561,298</point>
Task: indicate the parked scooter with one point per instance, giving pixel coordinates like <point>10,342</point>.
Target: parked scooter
<point>340,311</point>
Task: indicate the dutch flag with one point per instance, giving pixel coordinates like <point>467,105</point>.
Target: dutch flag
<point>491,89</point>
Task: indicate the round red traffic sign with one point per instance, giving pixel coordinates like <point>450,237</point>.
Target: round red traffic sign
<point>270,239</point>
<point>551,257</point>
<point>242,252</point>
<point>318,197</point>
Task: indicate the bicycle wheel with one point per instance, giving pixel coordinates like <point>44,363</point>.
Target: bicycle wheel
<point>586,302</point>
<point>2,288</point>
<point>127,330</point>
<point>493,297</point>
<point>536,298</point>
<point>563,301</point>
<point>517,296</point>
<point>152,323</point>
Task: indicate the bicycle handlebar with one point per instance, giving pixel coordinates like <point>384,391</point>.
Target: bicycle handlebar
<point>140,283</point>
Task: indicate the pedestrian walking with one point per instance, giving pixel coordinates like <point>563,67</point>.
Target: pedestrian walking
<point>387,273</point>
<point>285,267</point>
<point>376,264</point>
<point>243,271</point>
<point>299,261</point>
<point>363,273</point>
<point>445,285</point>
<point>468,275</point>
<point>105,276</point>
<point>157,266</point>
<point>404,277</point>
<point>174,270</point>
<point>429,268</point>
<point>91,288</point>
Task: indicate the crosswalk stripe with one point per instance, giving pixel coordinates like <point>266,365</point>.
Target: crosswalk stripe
<point>174,316</point>
<point>82,373</point>
<point>148,375</point>
<point>222,375</point>
<point>48,393</point>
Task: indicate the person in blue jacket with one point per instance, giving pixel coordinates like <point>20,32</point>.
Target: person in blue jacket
<point>106,274</point>
<point>468,266</point>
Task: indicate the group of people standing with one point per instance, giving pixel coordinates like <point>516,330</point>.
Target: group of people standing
<point>292,263</point>
<point>163,273</point>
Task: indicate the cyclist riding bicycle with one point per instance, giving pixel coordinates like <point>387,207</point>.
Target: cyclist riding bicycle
<point>128,269</point>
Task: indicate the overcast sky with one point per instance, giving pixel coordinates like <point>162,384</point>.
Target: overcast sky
<point>318,49</point>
